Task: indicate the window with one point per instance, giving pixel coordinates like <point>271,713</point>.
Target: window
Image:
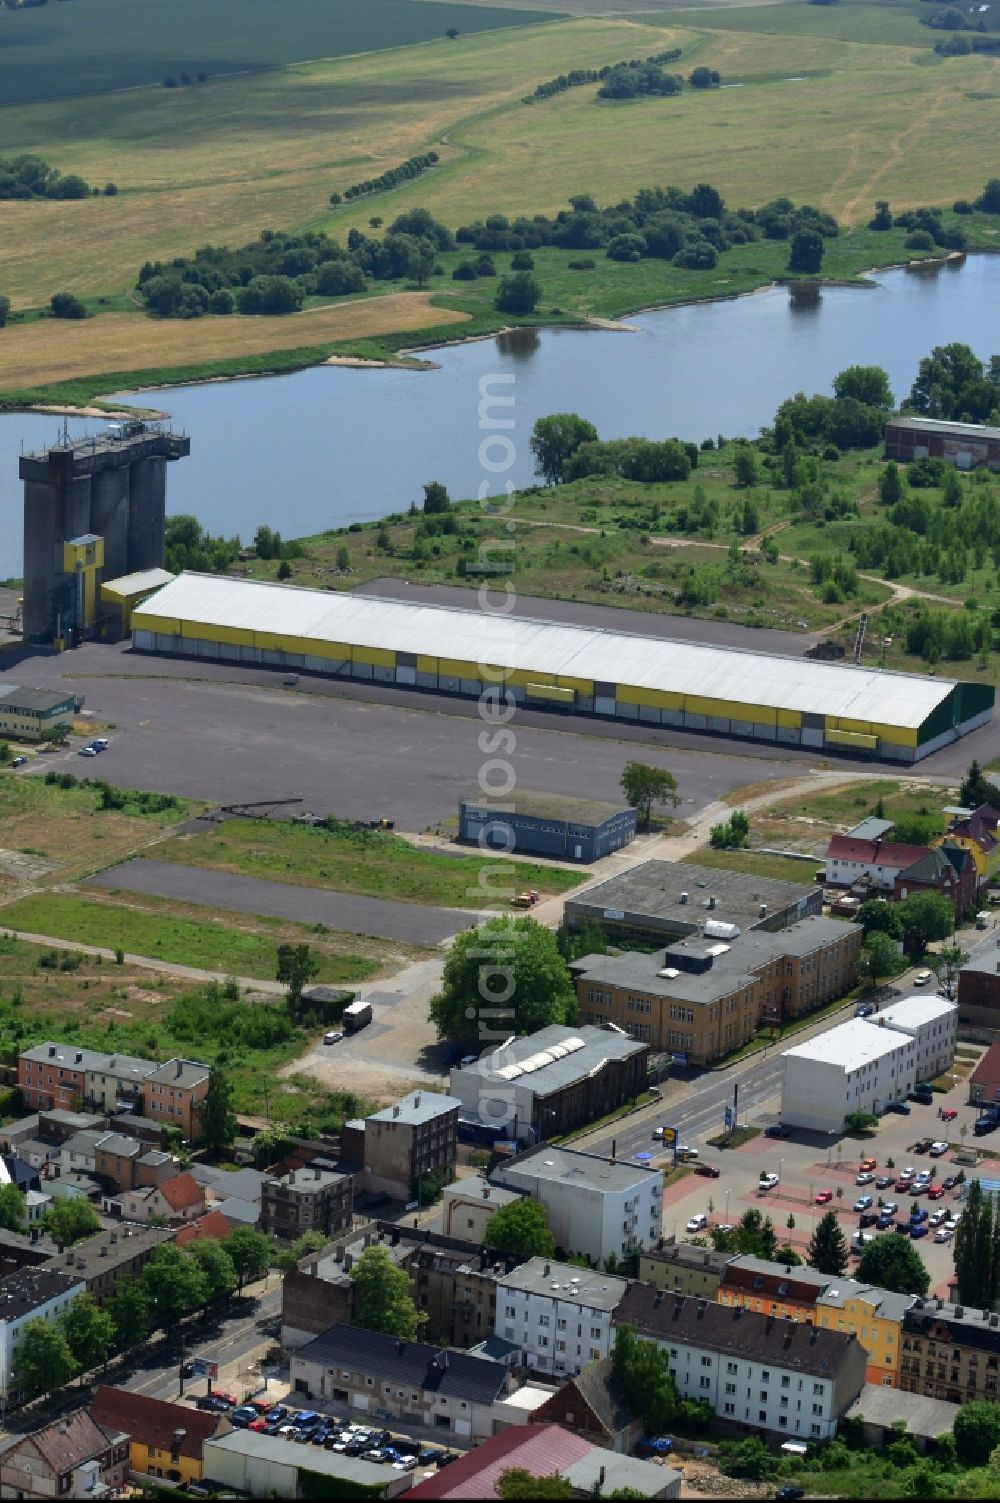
<point>762,1416</point>
<point>817,1409</point>
<point>704,1383</point>
<point>729,1408</point>
<point>595,1332</point>
<point>706,1361</point>
<point>731,1367</point>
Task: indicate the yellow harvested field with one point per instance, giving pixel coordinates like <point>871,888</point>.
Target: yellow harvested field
<point>47,351</point>
<point>220,163</point>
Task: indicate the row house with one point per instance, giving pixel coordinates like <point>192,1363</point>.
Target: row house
<point>73,1457</point>
<point>950,1352</point>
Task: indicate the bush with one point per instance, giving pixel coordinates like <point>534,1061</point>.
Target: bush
<point>701,256</point>
<point>65,305</point>
<point>522,261</point>
<point>110,189</point>
<point>464,272</point>
<point>518,293</point>
<point>271,295</point>
<point>222,301</point>
<point>586,265</point>
<point>920,240</point>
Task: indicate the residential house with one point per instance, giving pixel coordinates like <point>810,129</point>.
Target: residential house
<point>173,1093</point>
<point>62,1075</point>
<point>979,991</point>
<point>30,1294</point>
<point>400,1145</point>
<point>596,1207</point>
<point>948,870</point>
<point>58,1125</point>
<point>856,1067</point>
<point>592,1405</point>
<point>984,1082</point>
<point>470,1204</point>
<point>976,831</point>
<point>78,1154</point>
<point>545,1450</point>
<point>682,1267</point>
<point>772,1288</point>
<point>73,1457</point>
<point>212,1224</point>
<point>164,1441</point>
<point>880,1411</point>
<point>875,1317</point>
<point>179,1198</point>
<point>315,1199</point>
<point>852,860</point>
<point>115,1159</point>
<point>760,1372</point>
<point>109,1256</point>
<point>406,1383</point>
<point>559,1315</point>
<point>932,1023</point>
<point>950,1352</point>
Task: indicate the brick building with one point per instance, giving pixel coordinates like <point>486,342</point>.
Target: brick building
<point>968,446</point>
<point>950,1352</point>
<point>173,1093</point>
<point>398,1146</point>
<point>305,1200</point>
<point>73,1457</point>
<point>683,1268</point>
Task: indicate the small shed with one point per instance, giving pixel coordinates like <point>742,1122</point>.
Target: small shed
<point>547,824</point>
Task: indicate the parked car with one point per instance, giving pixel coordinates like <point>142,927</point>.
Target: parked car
<point>213,1403</point>
<point>948,1114</point>
<point>901,1186</point>
<point>697,1223</point>
<point>867,1164</point>
<point>654,1445</point>
<point>242,1416</point>
<point>430,1458</point>
<point>264,1406</point>
<point>333,1037</point>
<point>19,761</point>
<point>865,1010</point>
<point>790,1492</point>
<point>938,1148</point>
<point>259,1425</point>
<point>935,1192</point>
<point>777,1130</point>
<point>908,1172</point>
<point>890,1207</point>
<point>901,1108</point>
<point>884,1182</point>
<point>943,1234</point>
<point>823,1197</point>
<point>921,978</point>
<point>226,1397</point>
<point>884,1222</point>
<point>950,1182</point>
<point>657,1133</point>
<point>922,1145</point>
<point>86,751</point>
<point>867,1218</point>
<point>917,1229</point>
<point>863,1202</point>
<point>768,1182</point>
<point>938,1218</point>
<point>866,1178</point>
<point>952,1222</point>
<point>918,1216</point>
<point>403,1463</point>
<point>684,1151</point>
<point>709,1171</point>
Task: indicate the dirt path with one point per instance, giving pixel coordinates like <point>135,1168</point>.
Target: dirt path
<point>898,147</point>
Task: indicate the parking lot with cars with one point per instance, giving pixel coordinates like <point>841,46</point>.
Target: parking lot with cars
<point>903,1177</point>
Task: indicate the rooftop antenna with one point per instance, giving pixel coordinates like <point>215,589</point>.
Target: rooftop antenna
<point>65,432</point>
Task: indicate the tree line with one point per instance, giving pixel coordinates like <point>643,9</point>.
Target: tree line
<point>405,172</point>
<point>578,76</point>
<point>28,176</point>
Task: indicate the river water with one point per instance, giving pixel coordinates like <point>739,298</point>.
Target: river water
<point>332,445</point>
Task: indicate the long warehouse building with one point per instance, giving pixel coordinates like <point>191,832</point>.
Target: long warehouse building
<point>586,670</point>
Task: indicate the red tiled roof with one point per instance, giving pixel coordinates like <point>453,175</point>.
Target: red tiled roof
<point>987,1072</point>
<point>182,1192</point>
<point>542,1450</point>
<point>884,853</point>
<point>154,1422</point>
<point>214,1224</point>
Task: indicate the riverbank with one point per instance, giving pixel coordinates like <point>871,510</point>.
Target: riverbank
<point>378,330</point>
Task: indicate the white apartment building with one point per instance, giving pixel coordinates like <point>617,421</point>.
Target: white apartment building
<point>857,1067</point>
<point>782,1376</point>
<point>598,1208</point>
<point>932,1023</point>
<point>559,1315</point>
<point>30,1294</point>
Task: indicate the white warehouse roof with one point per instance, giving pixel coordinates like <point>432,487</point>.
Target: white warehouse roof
<point>786,683</point>
<point>852,1044</point>
<point>916,1012</point>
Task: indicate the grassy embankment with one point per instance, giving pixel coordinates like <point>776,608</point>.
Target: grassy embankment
<point>373,863</point>
<point>867,120</point>
<point>134,1011</point>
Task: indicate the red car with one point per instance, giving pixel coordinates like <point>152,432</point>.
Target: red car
<point>261,1405</point>
<point>258,1425</point>
<point>227,1398</point>
<point>823,1197</point>
<point>949,1115</point>
<point>710,1171</point>
<point>935,1192</point>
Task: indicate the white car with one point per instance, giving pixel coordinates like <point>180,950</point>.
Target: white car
<point>937,1149</point>
<point>697,1223</point>
<point>951,1224</point>
<point>657,1133</point>
<point>865,1179</point>
<point>937,1218</point>
<point>921,978</point>
<point>908,1172</point>
<point>684,1152</point>
<point>332,1038</point>
<point>768,1181</point>
<point>86,751</point>
<point>943,1234</point>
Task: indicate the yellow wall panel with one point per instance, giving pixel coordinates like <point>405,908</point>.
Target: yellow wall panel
<point>167,626</point>
<point>654,698</point>
<point>843,723</point>
<point>458,668</point>
<point>269,641</point>
<point>425,664</point>
<point>790,719</point>
<point>897,735</point>
<point>729,709</point>
<point>581,685</point>
<point>197,631</point>
<point>853,739</point>
<point>551,691</point>
<point>380,656</point>
<point>340,651</point>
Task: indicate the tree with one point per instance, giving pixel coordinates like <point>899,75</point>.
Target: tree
<point>977,1431</point>
<point>890,487</point>
<point>753,1233</point>
<point>12,1204</point>
<point>296,966</point>
<point>43,1360</point>
<point>520,1228</point>
<point>88,1330</point>
<point>879,958</point>
<point>925,917</point>
<point>452,33</point>
<point>748,1458</point>
<point>65,305</point>
<point>518,293</point>
<point>250,1252</point>
<point>69,1220</point>
<point>212,1257</point>
<point>975,1258</point>
<point>745,465</point>
<point>4,310</point>
<point>554,439</point>
<point>893,1263</point>
<point>861,1122</point>
<point>644,786</point>
<point>946,965</point>
<point>507,974</point>
<point>877,916</point>
<point>218,1120</point>
<point>129,1308</point>
<point>174,1284</point>
<point>827,1250</point>
<point>516,1482</point>
<point>420,263</point>
<point>977,789</point>
<point>284,569</point>
<point>868,384</point>
<point>704,78</point>
<point>806,254</point>
<point>309,1242</point>
<point>436,498</point>
<point>382,1298</point>
<point>643,1371</point>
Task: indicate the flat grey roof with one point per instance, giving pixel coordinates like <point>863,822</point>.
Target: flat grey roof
<point>570,1165</point>
<point>962,430</point>
<point>116,1142</point>
<point>653,891</point>
<point>419,1107</point>
<point>589,1472</point>
<point>924,1416</point>
<point>191,1073</point>
<point>588,1286</point>
<point>91,1060</point>
<point>552,1058</point>
<point>311,1458</point>
<point>38,700</point>
<point>562,807</point>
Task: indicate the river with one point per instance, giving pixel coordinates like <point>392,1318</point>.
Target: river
<point>333,445</point>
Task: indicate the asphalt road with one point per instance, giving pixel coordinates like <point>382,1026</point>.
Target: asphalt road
<point>229,735</point>
<point>410,923</point>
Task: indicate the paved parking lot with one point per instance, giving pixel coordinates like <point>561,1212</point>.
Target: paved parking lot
<point>807,1165</point>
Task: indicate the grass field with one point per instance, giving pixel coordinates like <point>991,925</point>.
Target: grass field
<point>781,868</point>
<point>66,829</point>
<point>128,1010</point>
<point>96,46</point>
<point>376,864</point>
<point>235,944</point>
<point>892,22</point>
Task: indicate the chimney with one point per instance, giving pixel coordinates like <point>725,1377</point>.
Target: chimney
<point>69,1259</point>
<point>684,897</point>
<point>52,1051</point>
<point>601,1476</point>
<point>614,1145</point>
<point>112,1062</point>
<point>548,1269</point>
<point>762,911</point>
<point>78,1056</point>
<point>348,1260</point>
<point>416,1100</point>
<point>712,901</point>
<point>395,1111</point>
<point>338,1256</point>
<point>291,1178</point>
<point>658,1300</point>
<point>486,1188</point>
<point>702,1307</point>
<point>104,1250</point>
<point>317,1171</point>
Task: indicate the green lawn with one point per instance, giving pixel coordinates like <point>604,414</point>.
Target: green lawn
<point>781,867</point>
<point>892,22</point>
<point>93,46</point>
<point>230,943</point>
<point>378,864</point>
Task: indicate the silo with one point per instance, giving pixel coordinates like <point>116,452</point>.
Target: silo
<point>109,516</point>
<point>146,513</point>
